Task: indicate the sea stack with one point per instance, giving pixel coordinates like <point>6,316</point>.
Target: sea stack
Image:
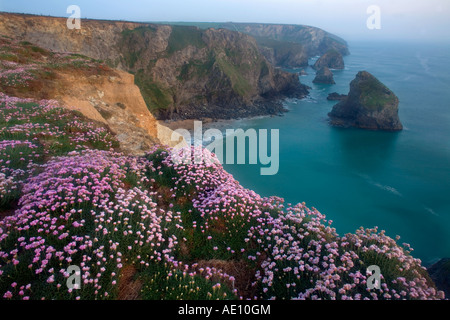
<point>369,105</point>
<point>331,59</point>
<point>324,76</point>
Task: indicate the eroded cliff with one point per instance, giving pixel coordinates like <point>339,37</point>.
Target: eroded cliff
<point>182,72</point>
<point>100,93</point>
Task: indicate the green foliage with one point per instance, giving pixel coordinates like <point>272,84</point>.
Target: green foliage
<point>181,37</point>
<point>156,97</point>
<point>132,42</point>
<point>375,95</point>
<point>196,68</point>
<point>165,283</point>
<point>240,85</point>
<point>8,57</point>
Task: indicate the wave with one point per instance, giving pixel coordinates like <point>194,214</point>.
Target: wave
<point>423,63</point>
<point>431,211</point>
<point>380,186</point>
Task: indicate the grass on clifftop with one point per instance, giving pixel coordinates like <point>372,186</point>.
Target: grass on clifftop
<point>30,71</point>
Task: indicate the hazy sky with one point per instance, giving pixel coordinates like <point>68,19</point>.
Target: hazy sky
<point>406,19</point>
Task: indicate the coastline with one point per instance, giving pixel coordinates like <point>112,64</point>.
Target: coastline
<point>209,123</point>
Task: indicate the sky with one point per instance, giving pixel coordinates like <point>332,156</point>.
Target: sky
<point>398,19</point>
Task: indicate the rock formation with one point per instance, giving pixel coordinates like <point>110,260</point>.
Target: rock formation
<point>324,76</point>
<point>440,273</point>
<point>334,96</point>
<point>283,54</point>
<point>315,41</point>
<point>303,73</point>
<point>369,105</point>
<point>283,45</point>
<point>332,59</point>
<point>100,93</point>
<point>182,72</point>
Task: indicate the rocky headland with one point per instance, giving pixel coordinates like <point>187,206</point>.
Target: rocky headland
<point>291,46</point>
<point>182,72</point>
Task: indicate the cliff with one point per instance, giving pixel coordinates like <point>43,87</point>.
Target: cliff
<point>282,53</point>
<point>331,59</point>
<point>182,72</point>
<point>369,105</point>
<point>105,95</point>
<point>206,73</point>
<point>284,45</point>
<point>315,41</point>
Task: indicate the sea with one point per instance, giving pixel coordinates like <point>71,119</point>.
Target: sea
<point>397,181</point>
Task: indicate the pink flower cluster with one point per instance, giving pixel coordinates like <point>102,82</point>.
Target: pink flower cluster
<point>15,75</point>
<point>78,212</point>
<point>300,255</point>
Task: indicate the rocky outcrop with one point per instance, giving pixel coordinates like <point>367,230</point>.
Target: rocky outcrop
<point>315,41</point>
<point>283,54</point>
<point>334,96</point>
<point>440,273</point>
<point>324,76</point>
<point>369,105</point>
<point>182,72</point>
<point>331,59</point>
<point>288,46</point>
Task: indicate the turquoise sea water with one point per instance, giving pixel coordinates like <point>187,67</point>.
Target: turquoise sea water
<point>400,181</point>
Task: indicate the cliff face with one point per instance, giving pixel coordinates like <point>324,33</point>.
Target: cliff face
<point>95,39</point>
<point>205,73</point>
<point>182,72</point>
<point>288,46</point>
<point>100,93</point>
<point>369,105</point>
<point>314,41</point>
<point>282,53</point>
